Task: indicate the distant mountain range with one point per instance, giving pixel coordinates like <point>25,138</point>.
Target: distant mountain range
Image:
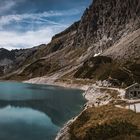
<point>104,43</point>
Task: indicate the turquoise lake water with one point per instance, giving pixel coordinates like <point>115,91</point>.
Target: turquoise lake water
<point>36,112</point>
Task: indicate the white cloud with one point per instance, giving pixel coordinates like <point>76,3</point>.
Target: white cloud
<point>4,20</point>
<point>12,40</point>
<point>6,5</point>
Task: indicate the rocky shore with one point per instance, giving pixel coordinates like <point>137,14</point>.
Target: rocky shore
<point>95,95</point>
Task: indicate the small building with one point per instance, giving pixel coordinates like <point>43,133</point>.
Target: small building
<point>133,91</point>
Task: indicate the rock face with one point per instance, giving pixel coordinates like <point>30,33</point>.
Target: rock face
<point>110,28</point>
<point>11,60</point>
<point>105,22</point>
<point>6,59</point>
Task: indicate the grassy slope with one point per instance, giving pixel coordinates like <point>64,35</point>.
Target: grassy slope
<point>106,123</point>
<point>102,67</point>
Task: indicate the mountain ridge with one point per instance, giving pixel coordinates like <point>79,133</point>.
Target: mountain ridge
<point>103,25</point>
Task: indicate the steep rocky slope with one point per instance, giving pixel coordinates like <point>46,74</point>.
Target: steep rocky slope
<point>109,28</point>
<point>6,59</point>
<point>105,22</point>
<point>11,60</point>
<point>127,49</point>
<point>124,64</point>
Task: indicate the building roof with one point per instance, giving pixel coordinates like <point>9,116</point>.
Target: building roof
<point>132,85</point>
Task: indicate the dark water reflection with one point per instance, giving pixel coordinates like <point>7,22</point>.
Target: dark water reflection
<point>36,112</point>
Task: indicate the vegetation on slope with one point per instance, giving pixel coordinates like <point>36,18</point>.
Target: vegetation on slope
<point>92,66</point>
<point>103,68</point>
<point>106,123</point>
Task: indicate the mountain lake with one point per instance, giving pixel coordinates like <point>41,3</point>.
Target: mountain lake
<point>36,112</point>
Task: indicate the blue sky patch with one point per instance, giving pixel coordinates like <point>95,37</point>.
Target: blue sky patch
<point>30,23</point>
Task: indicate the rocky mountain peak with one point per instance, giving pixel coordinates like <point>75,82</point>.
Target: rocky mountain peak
<point>106,21</point>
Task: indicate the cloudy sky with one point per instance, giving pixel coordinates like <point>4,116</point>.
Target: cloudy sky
<point>27,23</point>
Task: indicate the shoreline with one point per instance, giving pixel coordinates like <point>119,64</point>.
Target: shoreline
<point>60,84</point>
<point>64,130</point>
<point>88,91</point>
<point>63,133</point>
<point>93,93</point>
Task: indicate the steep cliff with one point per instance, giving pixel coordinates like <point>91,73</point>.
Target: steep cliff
<point>105,22</point>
